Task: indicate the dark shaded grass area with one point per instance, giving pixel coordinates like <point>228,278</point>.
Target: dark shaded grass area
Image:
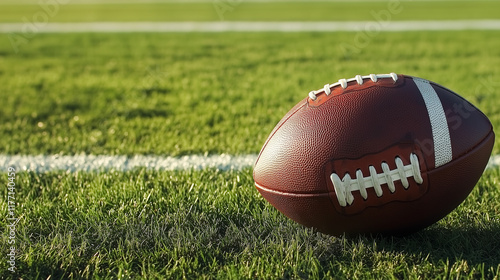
<point>213,224</point>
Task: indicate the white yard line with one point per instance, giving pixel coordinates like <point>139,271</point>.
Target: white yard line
<point>47,163</point>
<point>87,163</point>
<point>494,162</point>
<point>240,26</point>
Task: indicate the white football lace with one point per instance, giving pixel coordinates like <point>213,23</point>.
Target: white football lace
<point>345,187</point>
<point>343,83</point>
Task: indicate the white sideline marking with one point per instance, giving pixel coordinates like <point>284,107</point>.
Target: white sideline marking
<point>493,162</point>
<point>244,26</point>
<point>47,163</point>
<point>44,163</point>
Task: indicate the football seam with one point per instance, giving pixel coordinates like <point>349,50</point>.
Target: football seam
<point>315,194</point>
<point>463,99</point>
<point>349,90</point>
<point>276,129</point>
<point>477,111</point>
<point>258,186</point>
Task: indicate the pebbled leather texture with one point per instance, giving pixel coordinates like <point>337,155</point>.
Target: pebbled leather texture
<point>365,125</point>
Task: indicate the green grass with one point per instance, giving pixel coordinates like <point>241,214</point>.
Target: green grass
<point>212,224</point>
<point>180,94</point>
<point>241,10</point>
<point>195,93</point>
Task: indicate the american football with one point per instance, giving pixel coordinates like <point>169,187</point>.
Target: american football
<point>385,153</point>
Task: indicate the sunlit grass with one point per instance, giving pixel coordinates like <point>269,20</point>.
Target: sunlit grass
<point>208,93</point>
<point>176,94</point>
<point>213,224</point>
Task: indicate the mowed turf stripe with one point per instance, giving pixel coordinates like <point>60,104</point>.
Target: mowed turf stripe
<point>48,163</point>
<point>239,26</point>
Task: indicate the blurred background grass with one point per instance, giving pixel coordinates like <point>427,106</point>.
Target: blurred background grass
<point>217,10</point>
<point>208,93</point>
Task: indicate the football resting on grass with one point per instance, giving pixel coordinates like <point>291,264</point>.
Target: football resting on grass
<point>381,153</point>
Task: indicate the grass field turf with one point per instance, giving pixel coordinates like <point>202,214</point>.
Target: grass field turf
<point>181,94</point>
<point>257,11</point>
<point>178,94</point>
<point>212,224</point>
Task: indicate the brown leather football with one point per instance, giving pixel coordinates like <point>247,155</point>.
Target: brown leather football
<point>381,153</point>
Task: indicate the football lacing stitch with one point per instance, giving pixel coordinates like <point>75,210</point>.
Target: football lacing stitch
<point>343,83</point>
<point>345,186</point>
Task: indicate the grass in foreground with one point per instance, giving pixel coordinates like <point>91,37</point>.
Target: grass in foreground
<point>212,224</point>
<point>208,93</point>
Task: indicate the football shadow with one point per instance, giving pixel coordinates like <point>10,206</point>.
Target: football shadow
<point>474,245</point>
